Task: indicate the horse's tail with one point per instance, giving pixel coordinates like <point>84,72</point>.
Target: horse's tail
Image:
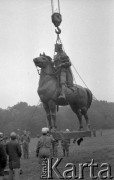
<point>90,97</point>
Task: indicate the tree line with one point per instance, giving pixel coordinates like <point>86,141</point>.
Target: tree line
<point>32,118</point>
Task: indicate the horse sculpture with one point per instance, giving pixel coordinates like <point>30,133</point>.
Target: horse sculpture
<point>77,97</point>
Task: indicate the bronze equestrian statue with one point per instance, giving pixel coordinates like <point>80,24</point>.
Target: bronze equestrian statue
<point>77,97</point>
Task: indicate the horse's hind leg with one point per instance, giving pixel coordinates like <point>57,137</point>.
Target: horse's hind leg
<point>46,107</point>
<point>87,121</point>
<point>79,115</point>
<point>77,111</point>
<point>84,113</point>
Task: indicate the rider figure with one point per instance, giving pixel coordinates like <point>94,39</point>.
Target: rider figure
<point>62,62</point>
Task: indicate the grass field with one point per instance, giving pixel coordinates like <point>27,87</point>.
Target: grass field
<point>99,148</point>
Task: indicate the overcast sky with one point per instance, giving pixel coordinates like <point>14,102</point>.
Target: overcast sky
<point>26,30</point>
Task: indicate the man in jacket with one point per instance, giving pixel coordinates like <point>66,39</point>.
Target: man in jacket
<point>44,145</point>
<point>65,143</point>
<point>25,140</point>
<point>55,145</point>
<point>62,62</point>
<point>44,149</point>
<point>3,157</point>
<point>13,150</point>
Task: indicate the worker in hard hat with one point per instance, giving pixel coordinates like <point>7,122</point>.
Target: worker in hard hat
<point>44,145</point>
<point>13,150</point>
<point>44,148</point>
<point>65,143</point>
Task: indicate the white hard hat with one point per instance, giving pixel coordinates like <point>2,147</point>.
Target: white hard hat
<point>13,135</point>
<point>1,135</point>
<point>67,130</point>
<point>44,130</point>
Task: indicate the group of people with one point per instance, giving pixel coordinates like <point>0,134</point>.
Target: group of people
<point>13,149</point>
<point>47,146</point>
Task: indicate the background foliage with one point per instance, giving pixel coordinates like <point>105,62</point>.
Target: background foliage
<point>32,118</point>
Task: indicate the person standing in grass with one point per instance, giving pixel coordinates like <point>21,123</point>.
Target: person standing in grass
<point>13,150</point>
<point>44,148</point>
<point>65,143</point>
<point>3,157</point>
<point>44,145</point>
<point>55,145</point>
<point>25,140</point>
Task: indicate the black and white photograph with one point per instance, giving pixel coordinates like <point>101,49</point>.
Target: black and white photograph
<point>56,89</point>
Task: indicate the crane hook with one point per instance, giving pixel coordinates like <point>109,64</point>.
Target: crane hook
<point>58,31</point>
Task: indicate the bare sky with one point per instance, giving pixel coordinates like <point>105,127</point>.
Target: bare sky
<point>26,30</point>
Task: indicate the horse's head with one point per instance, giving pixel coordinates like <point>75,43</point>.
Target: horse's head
<point>42,61</point>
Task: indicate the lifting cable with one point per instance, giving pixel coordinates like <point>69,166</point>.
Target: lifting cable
<point>52,6</point>
<point>83,81</point>
<point>56,20</point>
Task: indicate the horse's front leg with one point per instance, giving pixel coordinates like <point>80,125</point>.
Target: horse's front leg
<point>47,109</point>
<point>52,106</point>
